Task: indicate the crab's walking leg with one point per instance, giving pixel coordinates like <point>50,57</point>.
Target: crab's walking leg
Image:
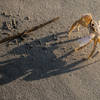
<point>94,48</point>
<point>78,27</point>
<point>76,49</point>
<point>75,25</point>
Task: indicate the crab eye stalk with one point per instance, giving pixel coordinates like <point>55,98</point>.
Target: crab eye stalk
<point>92,24</point>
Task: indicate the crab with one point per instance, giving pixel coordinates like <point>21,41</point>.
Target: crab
<point>94,32</point>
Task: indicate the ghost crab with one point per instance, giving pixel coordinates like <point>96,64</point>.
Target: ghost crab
<point>94,32</point>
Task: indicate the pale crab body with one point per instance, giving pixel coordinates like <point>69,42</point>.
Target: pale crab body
<point>83,41</point>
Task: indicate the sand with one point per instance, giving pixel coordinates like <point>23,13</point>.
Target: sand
<point>43,66</point>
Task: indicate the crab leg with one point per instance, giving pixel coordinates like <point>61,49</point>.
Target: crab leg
<point>94,48</point>
<point>76,49</point>
<point>75,25</point>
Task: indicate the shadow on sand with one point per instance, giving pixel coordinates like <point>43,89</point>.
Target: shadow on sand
<point>40,62</point>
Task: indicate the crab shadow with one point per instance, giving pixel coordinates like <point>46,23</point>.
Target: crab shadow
<point>40,61</point>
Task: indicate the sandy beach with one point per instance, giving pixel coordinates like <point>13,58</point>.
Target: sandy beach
<point>44,66</point>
